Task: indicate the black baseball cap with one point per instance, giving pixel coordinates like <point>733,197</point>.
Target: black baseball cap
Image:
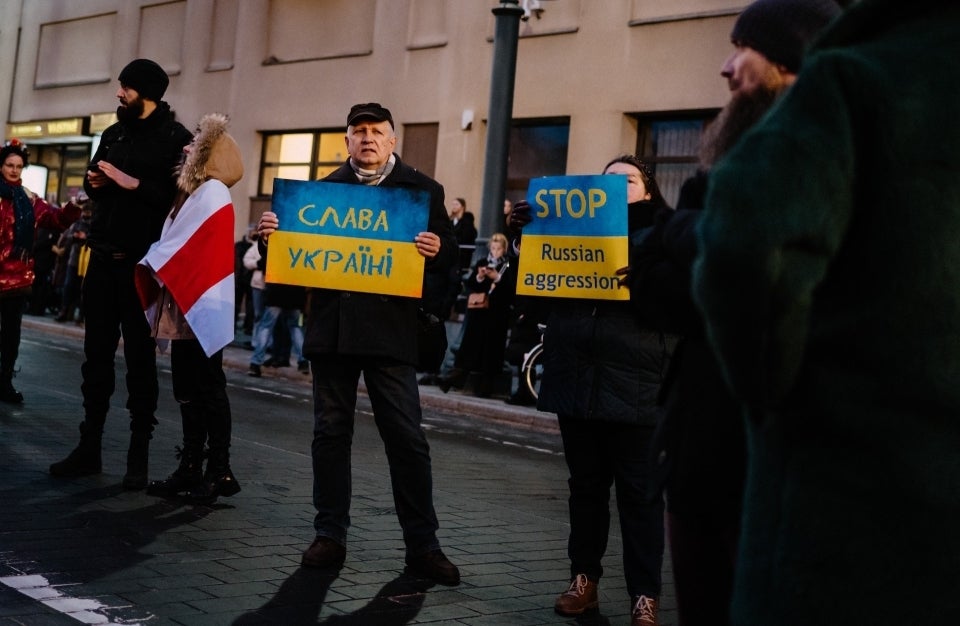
<point>369,111</point>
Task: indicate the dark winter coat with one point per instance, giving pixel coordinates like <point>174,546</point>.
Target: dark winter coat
<point>699,449</point>
<point>484,339</point>
<point>128,221</point>
<point>367,324</point>
<point>599,362</point>
<point>829,276</point>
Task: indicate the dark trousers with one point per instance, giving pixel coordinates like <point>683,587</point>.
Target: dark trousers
<point>11,319</point>
<point>200,387</point>
<point>704,551</point>
<point>112,309</point>
<point>395,397</point>
<point>599,455</point>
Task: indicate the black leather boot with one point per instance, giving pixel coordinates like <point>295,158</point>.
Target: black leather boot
<point>138,456</point>
<point>84,460</point>
<point>187,476</point>
<point>456,378</point>
<point>218,480</point>
<point>7,392</point>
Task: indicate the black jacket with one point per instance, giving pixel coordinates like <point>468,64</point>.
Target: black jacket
<point>367,324</point>
<point>128,221</point>
<point>599,362</point>
<point>698,451</point>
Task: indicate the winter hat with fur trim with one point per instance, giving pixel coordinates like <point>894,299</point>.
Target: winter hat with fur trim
<point>214,154</point>
<point>781,30</point>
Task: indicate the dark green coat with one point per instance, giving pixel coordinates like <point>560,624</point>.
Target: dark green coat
<point>829,277</point>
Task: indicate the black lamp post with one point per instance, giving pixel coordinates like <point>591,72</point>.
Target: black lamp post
<point>506,35</point>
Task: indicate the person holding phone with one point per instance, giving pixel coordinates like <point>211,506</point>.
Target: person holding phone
<point>492,285</point>
<point>131,180</point>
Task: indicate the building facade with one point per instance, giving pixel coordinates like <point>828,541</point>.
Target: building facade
<point>594,79</point>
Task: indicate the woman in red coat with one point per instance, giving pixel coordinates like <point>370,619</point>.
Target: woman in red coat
<point>21,213</point>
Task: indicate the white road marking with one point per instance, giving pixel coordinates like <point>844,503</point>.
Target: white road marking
<point>85,610</point>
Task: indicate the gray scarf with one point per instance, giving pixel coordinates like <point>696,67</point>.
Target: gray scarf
<point>374,177</point>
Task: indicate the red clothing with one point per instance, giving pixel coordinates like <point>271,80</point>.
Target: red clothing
<point>17,273</point>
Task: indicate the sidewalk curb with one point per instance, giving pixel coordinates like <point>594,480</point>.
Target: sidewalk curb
<point>494,410</point>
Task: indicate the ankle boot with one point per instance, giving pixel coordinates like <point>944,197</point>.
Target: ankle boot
<point>187,476</point>
<point>218,480</point>
<point>138,456</point>
<point>456,378</point>
<point>7,392</point>
<point>84,460</point>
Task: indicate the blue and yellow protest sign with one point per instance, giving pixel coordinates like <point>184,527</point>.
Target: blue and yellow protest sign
<point>577,238</point>
<point>349,237</point>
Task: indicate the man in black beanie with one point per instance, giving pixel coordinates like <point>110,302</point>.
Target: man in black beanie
<point>131,178</point>
<point>769,39</point>
<point>699,446</point>
<point>828,275</point>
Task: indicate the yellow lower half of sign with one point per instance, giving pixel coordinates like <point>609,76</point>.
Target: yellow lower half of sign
<point>572,267</point>
<point>346,263</point>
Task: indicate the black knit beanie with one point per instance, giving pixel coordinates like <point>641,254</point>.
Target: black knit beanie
<point>782,29</point>
<point>149,79</point>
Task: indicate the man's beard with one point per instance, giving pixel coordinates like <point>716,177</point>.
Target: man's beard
<point>131,112</point>
<point>737,117</point>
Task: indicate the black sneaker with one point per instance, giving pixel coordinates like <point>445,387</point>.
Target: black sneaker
<point>303,367</point>
<point>254,371</point>
<point>435,566</point>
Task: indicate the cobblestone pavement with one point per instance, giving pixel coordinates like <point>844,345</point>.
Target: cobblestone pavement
<point>86,550</point>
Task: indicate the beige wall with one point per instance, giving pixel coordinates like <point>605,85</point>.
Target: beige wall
<point>294,64</point>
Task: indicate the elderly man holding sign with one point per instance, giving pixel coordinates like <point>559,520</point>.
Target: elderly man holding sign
<point>354,240</point>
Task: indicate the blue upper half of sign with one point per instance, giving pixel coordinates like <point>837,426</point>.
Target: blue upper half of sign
<point>594,206</point>
<point>345,210</point>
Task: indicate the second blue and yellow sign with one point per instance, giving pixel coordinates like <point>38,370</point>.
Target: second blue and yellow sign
<point>577,239</point>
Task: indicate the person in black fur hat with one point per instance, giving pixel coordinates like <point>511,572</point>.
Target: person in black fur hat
<point>700,448</point>
<point>828,275</point>
<point>781,29</point>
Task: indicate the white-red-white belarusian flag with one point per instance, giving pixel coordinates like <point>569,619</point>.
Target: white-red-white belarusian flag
<point>194,260</point>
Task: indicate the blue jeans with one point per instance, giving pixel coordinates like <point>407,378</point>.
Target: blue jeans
<point>264,329</point>
<point>392,387</point>
<point>598,455</point>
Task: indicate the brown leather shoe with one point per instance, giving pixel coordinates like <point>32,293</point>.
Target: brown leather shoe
<point>324,552</point>
<point>435,566</point>
<point>644,612</point>
<point>579,598</point>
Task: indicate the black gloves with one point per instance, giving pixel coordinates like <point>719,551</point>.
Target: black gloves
<point>519,217</point>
